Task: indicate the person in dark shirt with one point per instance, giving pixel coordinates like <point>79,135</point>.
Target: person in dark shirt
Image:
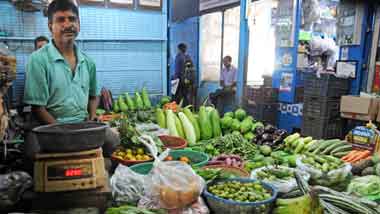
<point>185,72</point>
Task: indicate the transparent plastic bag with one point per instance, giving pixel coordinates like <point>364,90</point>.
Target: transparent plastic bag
<point>328,179</point>
<point>367,186</point>
<point>283,186</point>
<point>172,184</point>
<point>12,186</point>
<point>127,186</point>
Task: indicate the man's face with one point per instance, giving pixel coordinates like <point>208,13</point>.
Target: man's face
<point>226,62</point>
<point>64,26</point>
<point>40,44</point>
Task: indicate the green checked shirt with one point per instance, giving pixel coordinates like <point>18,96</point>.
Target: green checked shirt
<point>51,83</point>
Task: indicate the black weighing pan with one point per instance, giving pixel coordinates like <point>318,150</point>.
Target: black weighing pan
<point>73,137</point>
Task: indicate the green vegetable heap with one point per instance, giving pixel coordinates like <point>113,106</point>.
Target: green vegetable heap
<point>325,163</point>
<point>240,192</point>
<point>272,174</point>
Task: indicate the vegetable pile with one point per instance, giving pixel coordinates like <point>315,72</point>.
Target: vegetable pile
<point>240,192</point>
<point>227,160</point>
<point>274,173</point>
<point>126,103</point>
<point>228,144</point>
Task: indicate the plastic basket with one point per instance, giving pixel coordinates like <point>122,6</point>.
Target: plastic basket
<point>326,85</point>
<point>173,142</point>
<point>197,159</point>
<point>265,112</point>
<point>321,128</point>
<point>220,205</point>
<point>261,94</point>
<point>321,107</point>
<point>142,168</point>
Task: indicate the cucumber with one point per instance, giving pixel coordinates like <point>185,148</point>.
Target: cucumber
<point>332,147</point>
<point>344,148</point>
<point>322,146</point>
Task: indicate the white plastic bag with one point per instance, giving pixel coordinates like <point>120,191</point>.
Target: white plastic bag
<point>329,179</point>
<point>172,184</point>
<point>127,186</point>
<point>283,186</point>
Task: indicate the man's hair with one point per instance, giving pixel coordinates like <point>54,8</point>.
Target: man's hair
<point>61,5</point>
<point>229,58</point>
<point>40,39</point>
<point>182,47</point>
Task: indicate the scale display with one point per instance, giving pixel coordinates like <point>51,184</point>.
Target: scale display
<point>284,22</point>
<point>349,23</point>
<point>69,171</point>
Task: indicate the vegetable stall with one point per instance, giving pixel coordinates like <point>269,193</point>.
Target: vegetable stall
<point>178,159</point>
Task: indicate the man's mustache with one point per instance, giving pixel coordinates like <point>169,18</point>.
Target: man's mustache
<point>70,30</point>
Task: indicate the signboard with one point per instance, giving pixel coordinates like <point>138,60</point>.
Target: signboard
<point>153,4</point>
<point>212,4</point>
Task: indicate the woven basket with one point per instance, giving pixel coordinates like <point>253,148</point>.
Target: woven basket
<point>220,205</point>
<point>173,142</point>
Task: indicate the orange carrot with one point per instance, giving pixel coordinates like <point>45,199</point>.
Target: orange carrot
<point>362,155</point>
<point>349,155</point>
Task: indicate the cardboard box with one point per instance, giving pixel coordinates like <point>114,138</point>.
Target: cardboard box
<point>359,108</point>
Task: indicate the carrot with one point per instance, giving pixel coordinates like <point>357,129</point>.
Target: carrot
<point>361,156</point>
<point>349,155</point>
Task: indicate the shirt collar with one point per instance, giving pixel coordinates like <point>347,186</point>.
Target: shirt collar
<point>57,56</point>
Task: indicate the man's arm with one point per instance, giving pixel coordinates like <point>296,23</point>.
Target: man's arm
<point>43,115</point>
<point>92,105</point>
<point>221,82</point>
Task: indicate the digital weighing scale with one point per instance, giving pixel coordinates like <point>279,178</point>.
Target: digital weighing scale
<point>57,172</point>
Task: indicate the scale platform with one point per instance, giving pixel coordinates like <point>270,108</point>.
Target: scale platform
<point>60,172</point>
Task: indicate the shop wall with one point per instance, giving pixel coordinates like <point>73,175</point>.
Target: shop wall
<point>129,46</point>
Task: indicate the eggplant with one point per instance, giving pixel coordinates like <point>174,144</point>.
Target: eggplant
<point>259,131</point>
<point>269,129</point>
<point>267,137</point>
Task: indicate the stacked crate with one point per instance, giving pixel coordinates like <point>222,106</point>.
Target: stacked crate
<point>262,103</point>
<point>321,116</point>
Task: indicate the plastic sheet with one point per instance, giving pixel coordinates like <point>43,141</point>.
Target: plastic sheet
<point>283,186</point>
<point>329,179</point>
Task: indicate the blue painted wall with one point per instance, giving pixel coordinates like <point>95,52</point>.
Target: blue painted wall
<point>129,46</point>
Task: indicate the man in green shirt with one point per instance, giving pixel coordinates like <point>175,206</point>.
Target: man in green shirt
<point>61,82</point>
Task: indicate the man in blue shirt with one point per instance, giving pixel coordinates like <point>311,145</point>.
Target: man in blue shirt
<point>185,72</point>
<point>228,78</point>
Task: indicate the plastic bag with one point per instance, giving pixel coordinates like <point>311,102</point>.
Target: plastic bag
<point>198,207</point>
<point>329,179</point>
<point>152,129</point>
<point>12,186</point>
<point>283,186</point>
<point>172,184</point>
<point>367,186</point>
<point>127,186</point>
